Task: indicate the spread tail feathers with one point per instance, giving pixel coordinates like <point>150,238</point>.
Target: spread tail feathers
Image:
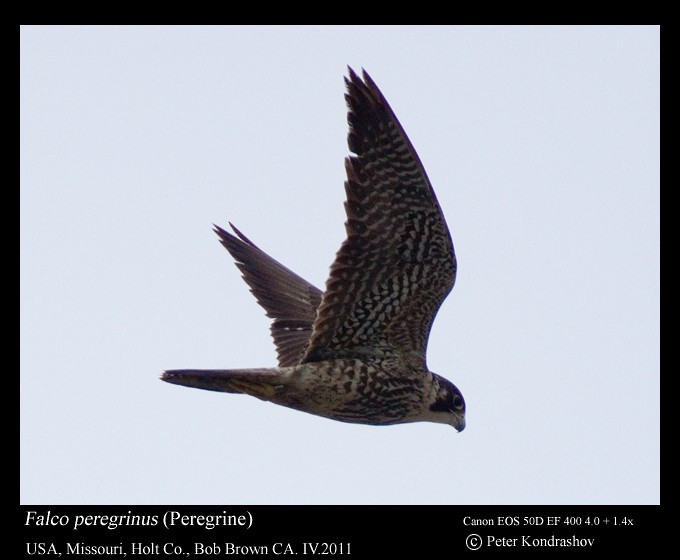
<point>262,383</point>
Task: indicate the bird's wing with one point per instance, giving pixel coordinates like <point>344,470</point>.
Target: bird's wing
<point>286,297</point>
<point>397,264</point>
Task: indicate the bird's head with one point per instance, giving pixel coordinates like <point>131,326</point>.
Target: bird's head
<point>448,406</point>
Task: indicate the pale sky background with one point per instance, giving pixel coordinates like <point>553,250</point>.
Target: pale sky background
<point>543,147</point>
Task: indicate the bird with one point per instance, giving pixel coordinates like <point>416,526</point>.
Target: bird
<point>356,351</point>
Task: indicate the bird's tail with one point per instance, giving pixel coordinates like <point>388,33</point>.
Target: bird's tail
<point>262,383</point>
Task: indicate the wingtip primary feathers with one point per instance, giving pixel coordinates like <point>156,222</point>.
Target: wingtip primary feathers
<point>286,297</point>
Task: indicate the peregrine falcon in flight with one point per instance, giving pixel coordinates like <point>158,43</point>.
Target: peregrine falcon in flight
<point>356,352</point>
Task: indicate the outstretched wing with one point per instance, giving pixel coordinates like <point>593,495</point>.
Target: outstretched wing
<point>397,264</point>
<point>286,297</point>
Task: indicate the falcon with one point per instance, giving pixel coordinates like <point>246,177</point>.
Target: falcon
<point>356,352</point>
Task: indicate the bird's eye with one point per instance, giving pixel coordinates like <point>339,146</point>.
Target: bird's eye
<point>457,401</point>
